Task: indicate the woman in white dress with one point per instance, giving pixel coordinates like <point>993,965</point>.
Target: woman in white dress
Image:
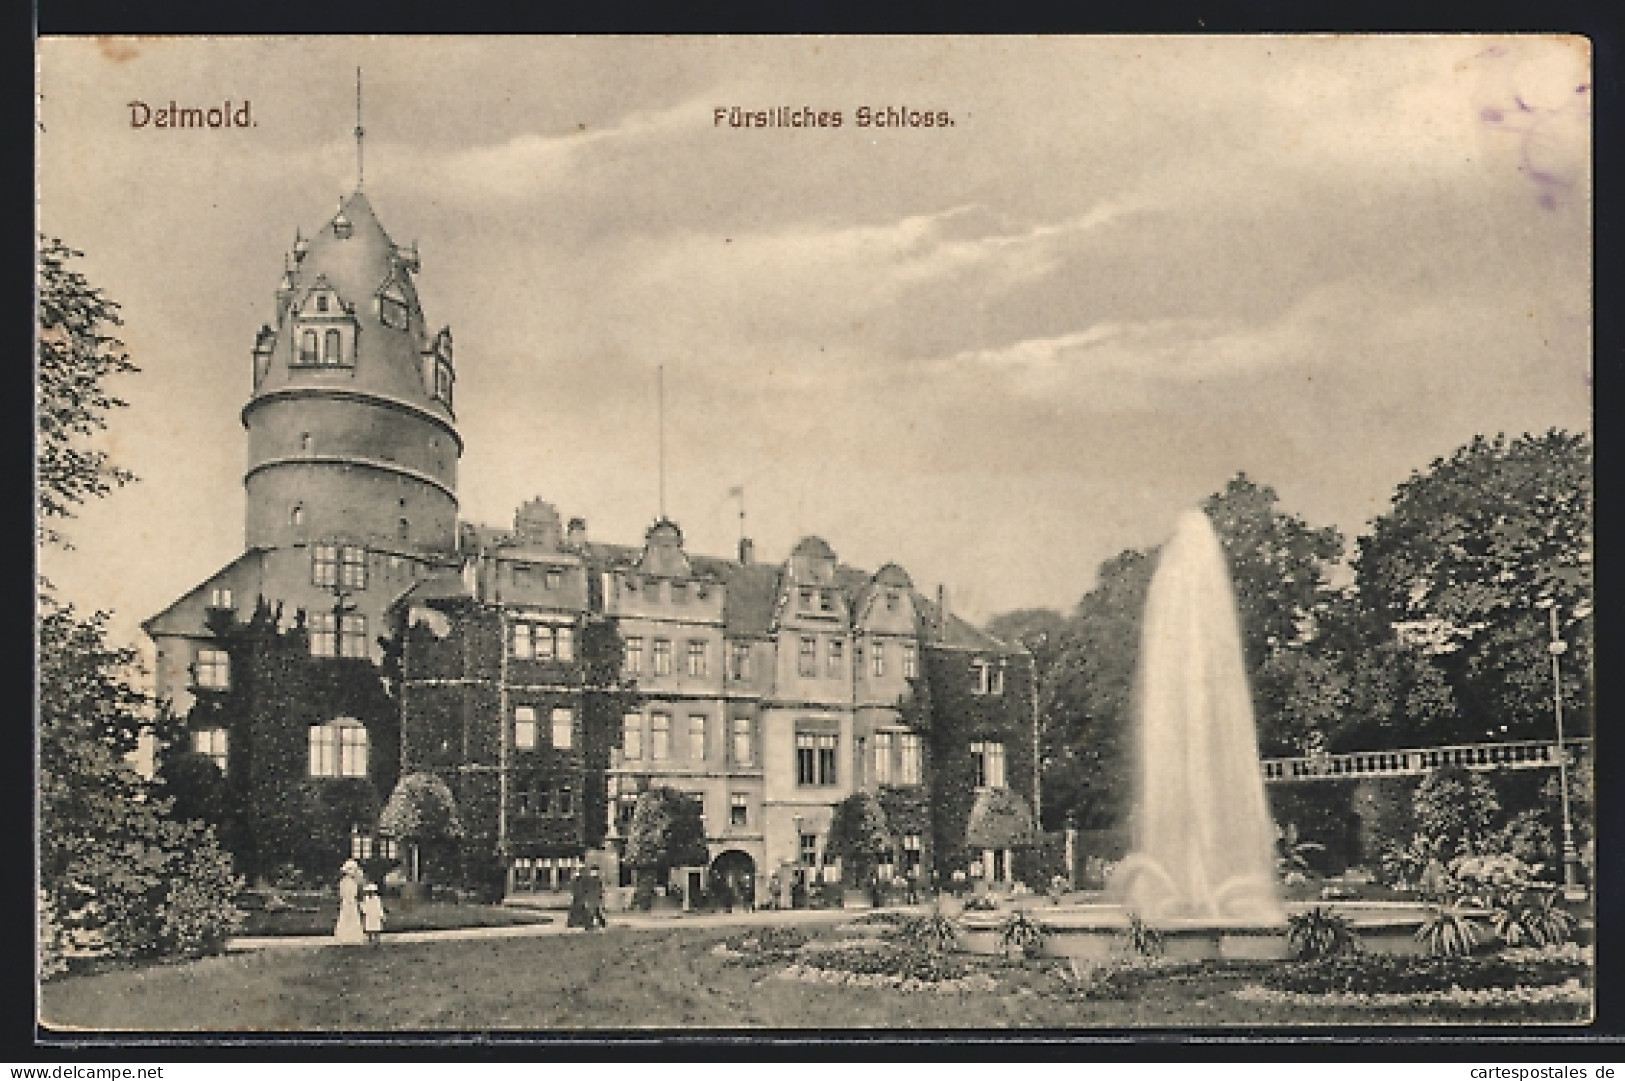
<point>348,929</point>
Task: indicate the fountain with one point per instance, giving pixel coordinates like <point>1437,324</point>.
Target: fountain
<point>1205,845</point>
<point>1202,872</point>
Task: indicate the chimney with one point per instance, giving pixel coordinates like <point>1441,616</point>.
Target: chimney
<point>576,533</point>
<point>747,551</point>
<point>942,609</point>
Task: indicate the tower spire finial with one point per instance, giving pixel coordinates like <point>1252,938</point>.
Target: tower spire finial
<point>359,132</point>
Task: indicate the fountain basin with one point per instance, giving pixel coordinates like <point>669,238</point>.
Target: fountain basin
<point>1096,932</point>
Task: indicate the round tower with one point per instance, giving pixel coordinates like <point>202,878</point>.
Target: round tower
<point>351,434</point>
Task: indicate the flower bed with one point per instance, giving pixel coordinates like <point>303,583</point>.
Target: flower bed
<point>1384,975</point>
<point>1570,992</point>
<point>767,946</point>
<point>931,980</point>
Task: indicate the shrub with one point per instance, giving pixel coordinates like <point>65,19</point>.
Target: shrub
<point>934,932</point>
<point>1535,918</point>
<point>1020,932</point>
<point>1320,933</point>
<point>199,912</point>
<point>1448,933</point>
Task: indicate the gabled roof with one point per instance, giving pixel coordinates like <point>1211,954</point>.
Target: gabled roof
<point>169,621</point>
<point>445,586</point>
<point>956,633</point>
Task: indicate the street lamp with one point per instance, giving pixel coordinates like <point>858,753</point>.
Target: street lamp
<point>1572,890</point>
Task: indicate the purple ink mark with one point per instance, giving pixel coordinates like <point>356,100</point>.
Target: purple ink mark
<point>1521,105</point>
<point>1494,52</point>
<point>1492,116</point>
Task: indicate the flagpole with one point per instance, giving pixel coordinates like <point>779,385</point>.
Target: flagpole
<point>660,396</point>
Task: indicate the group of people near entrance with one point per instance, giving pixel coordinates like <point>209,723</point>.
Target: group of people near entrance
<point>361,910</point>
<point>587,901</point>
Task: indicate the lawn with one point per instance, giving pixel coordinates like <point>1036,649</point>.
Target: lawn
<point>316,915</point>
<point>666,978</point>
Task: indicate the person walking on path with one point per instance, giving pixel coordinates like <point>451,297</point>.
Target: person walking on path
<point>580,914</point>
<point>372,913</point>
<point>594,895</point>
<point>348,928</point>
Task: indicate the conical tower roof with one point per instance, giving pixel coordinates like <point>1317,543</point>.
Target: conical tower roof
<point>353,258</point>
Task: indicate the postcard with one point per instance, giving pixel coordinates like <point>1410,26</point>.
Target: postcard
<point>544,534</point>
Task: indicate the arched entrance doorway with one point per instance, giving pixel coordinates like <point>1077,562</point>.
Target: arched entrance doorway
<point>738,871</point>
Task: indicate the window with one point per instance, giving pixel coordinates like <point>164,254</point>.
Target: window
<point>660,735</point>
<point>879,655</point>
<point>826,601</point>
<point>741,741</point>
<point>662,657</point>
<point>211,742</point>
<point>989,760</point>
<point>911,758</point>
<point>541,801</point>
<point>353,636</point>
<point>338,749</point>
<point>323,637</point>
<point>806,758</point>
<point>632,735</point>
<point>566,804</point>
<point>633,656</point>
<point>321,302</point>
<point>989,680</point>
<point>806,599</point>
<point>807,663</point>
<point>883,741</point>
<point>219,598</point>
<point>324,564</point>
<point>524,728</point>
<point>696,659</point>
<point>332,347</point>
<point>353,567</point>
<point>539,642</point>
<point>738,810</point>
<point>213,669</point>
<point>911,660</point>
<point>739,664</point>
<point>296,516</point>
<point>835,663</point>
<point>911,854</point>
<point>679,593</point>
<point>360,844</point>
<point>809,850</point>
<point>891,601</point>
<point>392,312</point>
<point>442,382</point>
<point>696,737</point>
<point>815,758</point>
<point>553,578</point>
<point>564,725</point>
<point>307,347</point>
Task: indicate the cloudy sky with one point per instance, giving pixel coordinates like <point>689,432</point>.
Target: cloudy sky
<point>996,353</point>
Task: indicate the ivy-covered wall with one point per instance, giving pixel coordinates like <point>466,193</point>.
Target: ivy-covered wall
<point>960,716</point>
<point>278,816</point>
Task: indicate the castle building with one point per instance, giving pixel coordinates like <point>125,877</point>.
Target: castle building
<point>549,678</point>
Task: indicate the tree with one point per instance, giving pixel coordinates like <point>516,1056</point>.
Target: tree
<point>859,835</point>
<point>120,874</point>
<point>667,830</point>
<point>1278,566</point>
<point>1086,700</point>
<point>421,812</point>
<point>77,354</point>
<point>1464,565</point>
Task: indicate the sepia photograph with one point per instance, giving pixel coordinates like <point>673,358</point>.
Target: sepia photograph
<point>545,535</point>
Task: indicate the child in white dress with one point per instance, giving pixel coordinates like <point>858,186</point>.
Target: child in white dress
<point>372,914</point>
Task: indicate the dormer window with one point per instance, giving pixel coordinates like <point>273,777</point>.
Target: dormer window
<point>321,302</point>
<point>332,347</point>
<point>392,311</point>
<point>442,382</point>
<point>307,348</point>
